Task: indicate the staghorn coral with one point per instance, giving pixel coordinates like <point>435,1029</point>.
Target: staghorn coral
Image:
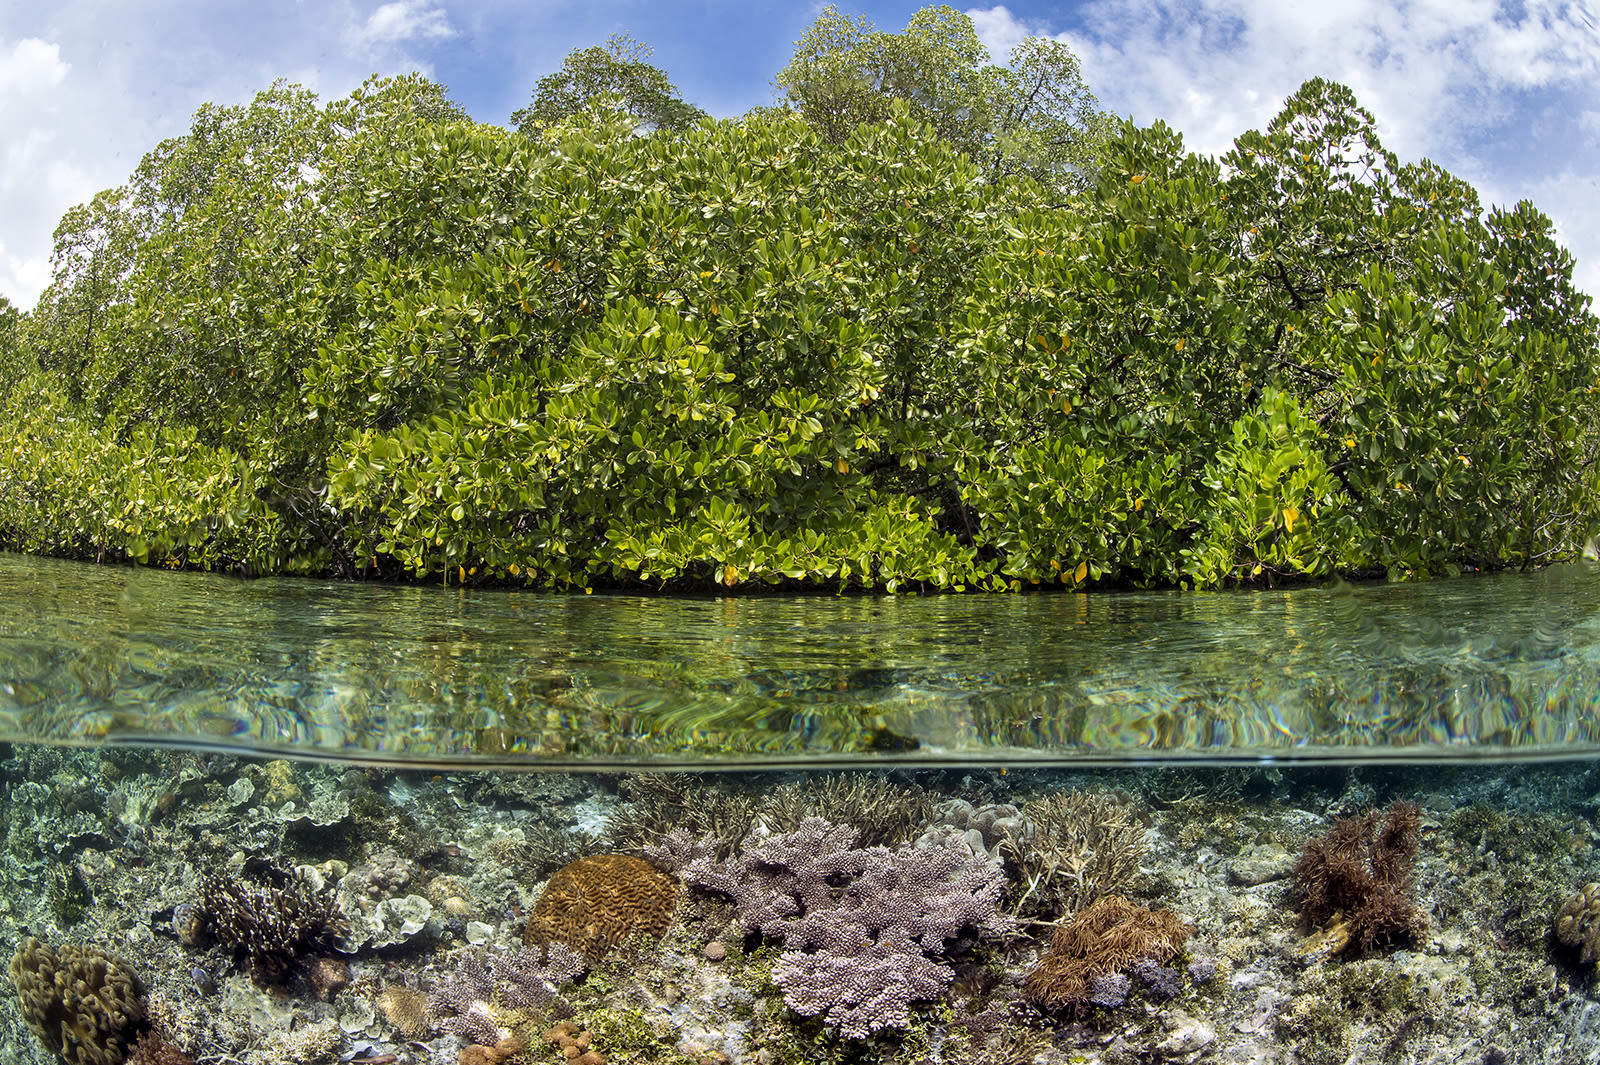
<point>594,903</point>
<point>1578,922</point>
<point>658,803</point>
<point>275,925</point>
<point>881,812</point>
<point>1102,941</point>
<point>85,1006</point>
<point>1072,848</point>
<point>858,924</point>
<point>1361,868</point>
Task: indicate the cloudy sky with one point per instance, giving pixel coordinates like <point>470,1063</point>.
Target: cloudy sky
<point>1505,93</point>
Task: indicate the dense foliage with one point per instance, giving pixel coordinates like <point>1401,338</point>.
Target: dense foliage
<point>373,337</point>
<point>618,75</point>
<point>1035,116</point>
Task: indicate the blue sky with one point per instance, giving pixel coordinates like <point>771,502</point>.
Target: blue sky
<point>1505,93</point>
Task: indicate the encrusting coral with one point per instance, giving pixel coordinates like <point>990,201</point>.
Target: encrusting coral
<point>594,903</point>
<point>858,923</point>
<point>1361,868</point>
<point>1578,922</point>
<point>1097,944</point>
<point>85,1006</point>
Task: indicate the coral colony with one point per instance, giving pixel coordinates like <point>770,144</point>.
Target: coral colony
<point>842,919</point>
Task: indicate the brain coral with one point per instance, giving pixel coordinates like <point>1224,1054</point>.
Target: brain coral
<point>1578,923</point>
<point>84,1005</point>
<point>594,903</point>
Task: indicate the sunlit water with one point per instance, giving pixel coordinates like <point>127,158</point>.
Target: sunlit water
<point>1493,666</point>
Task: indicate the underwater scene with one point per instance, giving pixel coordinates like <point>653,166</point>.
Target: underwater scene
<point>261,823</point>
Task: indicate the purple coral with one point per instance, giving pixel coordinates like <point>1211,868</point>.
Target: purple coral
<point>860,993</point>
<point>858,922</point>
<point>528,978</point>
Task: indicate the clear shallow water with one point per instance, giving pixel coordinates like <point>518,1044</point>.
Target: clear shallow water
<point>1503,666</point>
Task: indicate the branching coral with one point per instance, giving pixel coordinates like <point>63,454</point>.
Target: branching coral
<point>1072,848</point>
<point>881,812</point>
<point>658,803</point>
<point>1104,940</point>
<point>1361,868</point>
<point>523,979</point>
<point>86,1006</point>
<point>275,924</point>
<point>461,1004</point>
<point>858,923</point>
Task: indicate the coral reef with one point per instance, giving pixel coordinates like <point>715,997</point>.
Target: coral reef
<point>86,1006</point>
<point>1106,939</point>
<point>855,955</point>
<point>1361,869</point>
<point>480,1054</point>
<point>1578,923</point>
<point>984,828</point>
<point>881,812</point>
<point>276,925</point>
<point>574,1044</point>
<point>152,1049</point>
<point>594,903</point>
<point>461,1004</point>
<point>1074,847</point>
<point>528,978</point>
<point>406,1008</point>
<point>658,803</point>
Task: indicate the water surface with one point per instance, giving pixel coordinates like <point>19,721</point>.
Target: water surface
<point>1483,667</point>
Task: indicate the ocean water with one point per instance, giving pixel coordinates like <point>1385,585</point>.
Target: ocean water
<point>1364,815</point>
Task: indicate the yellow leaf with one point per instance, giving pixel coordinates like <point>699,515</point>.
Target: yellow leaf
<point>1138,504</point>
<point>1136,179</point>
<point>514,569</point>
<point>1290,516</point>
<point>844,467</point>
<point>1081,572</point>
<point>1257,571</point>
<point>1180,344</point>
<point>1066,407</point>
<point>461,574</point>
<point>730,576</point>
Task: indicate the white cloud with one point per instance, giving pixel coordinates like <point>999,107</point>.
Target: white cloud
<point>29,67</point>
<point>403,20</point>
<point>999,31</point>
<point>1466,83</point>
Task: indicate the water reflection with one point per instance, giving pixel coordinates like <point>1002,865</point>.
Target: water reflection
<point>1495,666</point>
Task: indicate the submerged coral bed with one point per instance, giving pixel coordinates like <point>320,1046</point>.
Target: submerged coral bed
<point>169,907</point>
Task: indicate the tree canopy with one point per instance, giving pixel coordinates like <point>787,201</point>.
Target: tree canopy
<point>619,75</point>
<point>373,337</point>
<point>1035,116</point>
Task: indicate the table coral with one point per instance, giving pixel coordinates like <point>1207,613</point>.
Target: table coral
<point>858,923</point>
<point>86,1006</point>
<point>594,903</point>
